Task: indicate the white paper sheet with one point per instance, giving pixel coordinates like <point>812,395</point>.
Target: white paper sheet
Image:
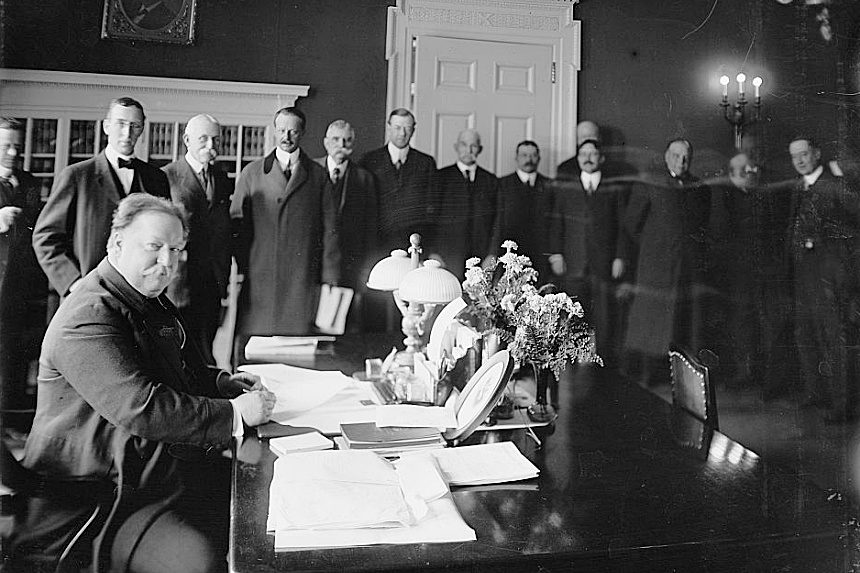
<point>297,389</point>
<point>482,464</point>
<point>343,498</point>
<point>353,404</point>
<point>443,524</point>
<point>411,416</point>
<point>310,441</point>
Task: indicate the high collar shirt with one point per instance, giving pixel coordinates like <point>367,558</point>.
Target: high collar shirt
<point>126,175</point>
<point>527,178</point>
<point>470,168</point>
<point>398,154</point>
<point>287,160</point>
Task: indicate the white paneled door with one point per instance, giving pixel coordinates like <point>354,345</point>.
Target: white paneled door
<point>501,89</point>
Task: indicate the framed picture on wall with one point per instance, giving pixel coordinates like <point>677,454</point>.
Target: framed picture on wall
<point>171,21</point>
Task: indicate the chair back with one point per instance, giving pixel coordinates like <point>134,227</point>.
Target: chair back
<point>692,390</point>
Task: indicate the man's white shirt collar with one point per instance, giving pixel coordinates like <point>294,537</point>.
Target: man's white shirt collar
<point>287,159</point>
<point>472,169</point>
<point>196,166</point>
<point>330,164</point>
<point>811,178</point>
<point>594,178</point>
<point>397,154</point>
<point>126,176</point>
<point>527,178</point>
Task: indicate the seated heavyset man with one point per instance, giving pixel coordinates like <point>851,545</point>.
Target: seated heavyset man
<point>123,401</point>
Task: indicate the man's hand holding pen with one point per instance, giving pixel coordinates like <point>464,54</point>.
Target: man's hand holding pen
<point>254,402</point>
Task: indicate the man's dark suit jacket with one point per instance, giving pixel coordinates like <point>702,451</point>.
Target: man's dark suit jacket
<point>202,279</point>
<point>406,203</point>
<point>70,237</point>
<point>287,245</point>
<point>23,294</point>
<point>357,218</point>
<point>464,217</point>
<point>588,230</point>
<point>116,389</point>
<point>524,215</point>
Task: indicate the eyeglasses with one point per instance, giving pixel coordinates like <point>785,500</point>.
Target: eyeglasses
<point>132,125</point>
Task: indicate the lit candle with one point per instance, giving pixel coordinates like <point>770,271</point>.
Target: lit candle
<point>757,81</point>
<point>724,81</point>
<point>741,79</point>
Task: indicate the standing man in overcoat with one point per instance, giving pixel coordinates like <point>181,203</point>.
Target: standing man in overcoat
<point>286,239</point>
<point>203,189</point>
<point>670,216</point>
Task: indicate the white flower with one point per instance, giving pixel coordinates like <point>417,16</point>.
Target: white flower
<point>473,262</point>
<point>474,276</point>
<point>507,302</point>
<point>510,245</point>
<point>508,259</point>
<point>577,310</point>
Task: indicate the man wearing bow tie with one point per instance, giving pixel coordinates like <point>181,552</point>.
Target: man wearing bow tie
<point>467,197</point>
<point>203,189</point>
<point>285,224</point>
<point>669,217</point>
<point>23,286</point>
<point>593,250</point>
<point>71,234</point>
<point>822,244</point>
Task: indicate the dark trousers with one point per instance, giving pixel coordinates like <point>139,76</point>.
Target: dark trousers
<point>825,328</point>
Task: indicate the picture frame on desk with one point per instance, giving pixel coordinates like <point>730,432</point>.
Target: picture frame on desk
<point>166,21</point>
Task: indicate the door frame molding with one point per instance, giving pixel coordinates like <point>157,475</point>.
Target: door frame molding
<point>541,22</point>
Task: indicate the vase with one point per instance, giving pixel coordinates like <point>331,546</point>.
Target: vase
<point>541,410</point>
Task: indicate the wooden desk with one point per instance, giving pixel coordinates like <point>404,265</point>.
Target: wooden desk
<point>617,492</point>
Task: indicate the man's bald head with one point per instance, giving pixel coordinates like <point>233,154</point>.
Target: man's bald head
<point>586,130</point>
<point>468,146</point>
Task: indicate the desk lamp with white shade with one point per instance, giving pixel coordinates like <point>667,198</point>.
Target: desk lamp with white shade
<point>416,289</point>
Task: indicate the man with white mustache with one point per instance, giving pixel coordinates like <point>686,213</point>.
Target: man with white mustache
<point>202,188</point>
<point>356,199</point>
<point>124,397</point>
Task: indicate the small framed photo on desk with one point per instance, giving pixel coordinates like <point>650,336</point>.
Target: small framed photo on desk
<point>171,21</point>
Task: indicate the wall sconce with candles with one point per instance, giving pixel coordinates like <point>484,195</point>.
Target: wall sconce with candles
<point>417,289</point>
<point>736,114</point>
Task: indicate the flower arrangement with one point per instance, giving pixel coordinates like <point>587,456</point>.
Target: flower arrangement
<point>493,293</point>
<point>551,330</point>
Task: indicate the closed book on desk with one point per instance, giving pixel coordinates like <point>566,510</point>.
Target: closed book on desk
<point>368,436</point>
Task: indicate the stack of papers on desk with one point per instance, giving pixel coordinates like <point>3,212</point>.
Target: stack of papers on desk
<point>391,440</point>
<point>346,498</point>
<point>308,442</point>
<point>483,464</point>
<point>272,347</point>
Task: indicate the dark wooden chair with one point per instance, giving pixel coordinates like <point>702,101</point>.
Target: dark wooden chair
<point>20,489</point>
<point>692,388</point>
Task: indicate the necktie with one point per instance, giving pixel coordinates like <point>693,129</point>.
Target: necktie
<point>287,173</point>
<point>398,165</point>
<point>466,176</point>
<point>590,186</point>
<point>208,185</point>
<point>125,163</point>
<point>335,175</point>
<point>11,180</point>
